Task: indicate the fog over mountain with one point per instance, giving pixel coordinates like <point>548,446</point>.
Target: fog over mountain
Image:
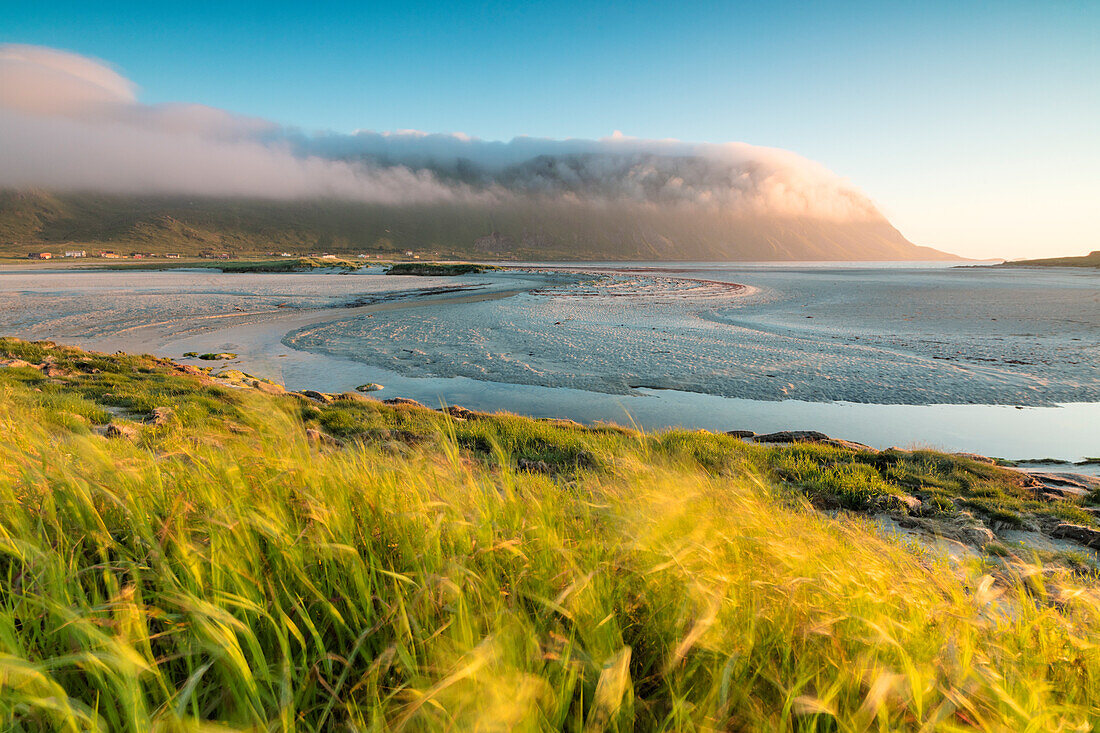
<point>73,125</point>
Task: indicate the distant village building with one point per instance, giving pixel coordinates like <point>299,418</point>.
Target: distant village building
<point>110,255</point>
<point>40,256</point>
<point>408,253</point>
<point>75,253</point>
<point>171,256</point>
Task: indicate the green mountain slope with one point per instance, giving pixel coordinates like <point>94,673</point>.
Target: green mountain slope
<point>524,229</point>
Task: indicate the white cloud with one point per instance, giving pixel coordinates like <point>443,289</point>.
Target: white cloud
<point>70,122</point>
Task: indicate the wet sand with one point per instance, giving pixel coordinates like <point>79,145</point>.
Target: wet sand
<point>718,348</point>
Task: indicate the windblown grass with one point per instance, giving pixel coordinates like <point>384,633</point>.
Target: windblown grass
<point>223,569</point>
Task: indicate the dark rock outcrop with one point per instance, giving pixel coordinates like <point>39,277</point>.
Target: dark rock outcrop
<point>459,412</point>
<point>402,401</point>
<point>1076,533</point>
<point>811,436</point>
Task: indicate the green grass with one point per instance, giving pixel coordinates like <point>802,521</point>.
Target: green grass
<point>222,569</point>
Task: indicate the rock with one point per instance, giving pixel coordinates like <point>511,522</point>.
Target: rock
<point>219,356</point>
<point>53,371</point>
<point>976,535</point>
<point>902,503</point>
<point>741,434</point>
<point>371,387</point>
<point>1063,492</point>
<point>793,436</point>
<point>16,363</point>
<point>1084,535</point>
<point>162,415</point>
<point>189,369</point>
<point>460,413</point>
<point>811,436</point>
<point>269,387</point>
<point>526,464</point>
<point>118,430</point>
<point>1067,480</point>
<point>402,401</point>
<point>911,503</point>
<point>313,435</point>
<point>316,396</point>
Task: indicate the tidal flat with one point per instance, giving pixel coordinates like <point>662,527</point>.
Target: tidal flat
<point>882,354</point>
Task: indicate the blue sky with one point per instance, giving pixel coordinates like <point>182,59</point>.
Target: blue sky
<point>973,125</point>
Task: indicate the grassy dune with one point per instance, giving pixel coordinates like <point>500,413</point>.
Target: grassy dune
<point>269,562</point>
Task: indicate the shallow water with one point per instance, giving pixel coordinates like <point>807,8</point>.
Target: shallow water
<point>874,354</point>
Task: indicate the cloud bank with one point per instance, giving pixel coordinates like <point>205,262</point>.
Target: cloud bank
<point>68,122</point>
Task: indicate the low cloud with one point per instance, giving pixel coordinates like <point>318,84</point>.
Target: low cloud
<point>68,122</point>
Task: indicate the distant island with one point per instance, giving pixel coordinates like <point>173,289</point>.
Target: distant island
<point>34,223</point>
<point>1092,259</point>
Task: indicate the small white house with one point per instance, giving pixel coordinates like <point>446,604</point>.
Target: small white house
<point>75,253</point>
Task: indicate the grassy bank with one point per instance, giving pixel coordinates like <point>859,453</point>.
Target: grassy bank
<point>178,550</point>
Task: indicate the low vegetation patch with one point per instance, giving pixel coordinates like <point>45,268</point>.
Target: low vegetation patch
<point>229,558</point>
<point>283,264</point>
<point>439,269</point>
